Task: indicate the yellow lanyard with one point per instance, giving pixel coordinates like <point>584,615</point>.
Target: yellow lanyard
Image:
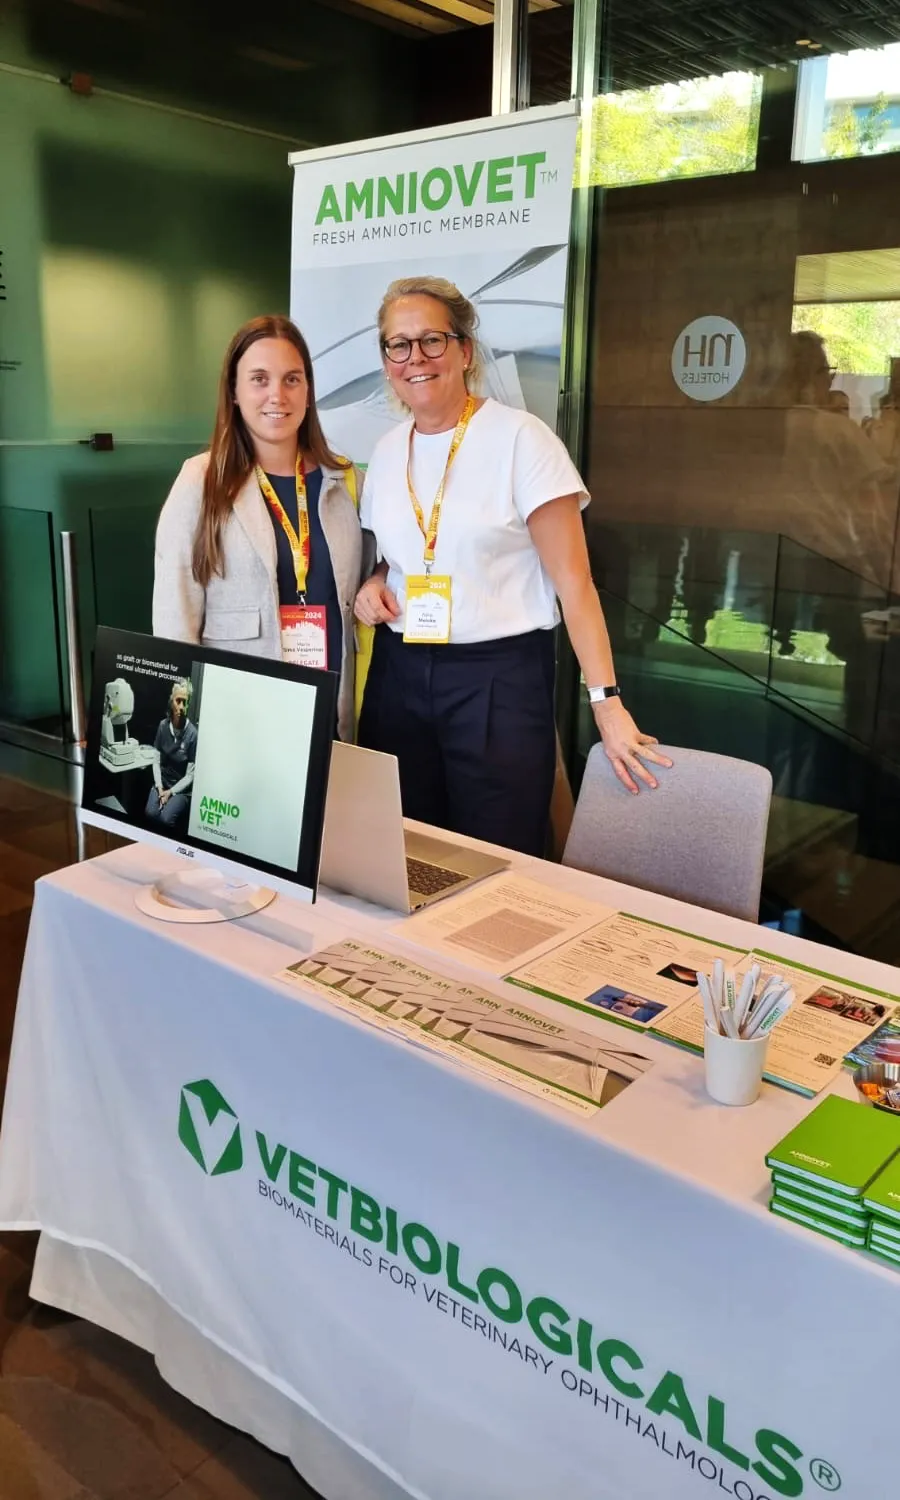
<point>431,533</point>
<point>299,545</point>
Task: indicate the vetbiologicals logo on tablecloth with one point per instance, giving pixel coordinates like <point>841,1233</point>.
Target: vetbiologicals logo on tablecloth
<point>657,1405</point>
<point>208,1128</point>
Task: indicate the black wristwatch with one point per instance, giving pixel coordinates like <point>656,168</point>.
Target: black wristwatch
<point>600,694</point>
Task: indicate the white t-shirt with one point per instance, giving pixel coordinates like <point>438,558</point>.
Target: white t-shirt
<point>508,464</point>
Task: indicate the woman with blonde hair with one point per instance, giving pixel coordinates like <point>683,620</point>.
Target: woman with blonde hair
<point>476,508</point>
<point>258,546</point>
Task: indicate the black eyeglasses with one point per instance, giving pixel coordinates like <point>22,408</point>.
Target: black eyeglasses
<point>432,344</point>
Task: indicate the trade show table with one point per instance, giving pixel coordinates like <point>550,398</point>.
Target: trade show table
<point>410,1278</point>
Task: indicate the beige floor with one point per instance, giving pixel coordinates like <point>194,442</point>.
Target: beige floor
<point>83,1415</point>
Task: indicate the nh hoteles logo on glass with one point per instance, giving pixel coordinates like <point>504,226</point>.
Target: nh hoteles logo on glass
<point>708,358</point>
<point>209,1129</point>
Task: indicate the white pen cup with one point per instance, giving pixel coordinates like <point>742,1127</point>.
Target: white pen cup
<point>734,1067</point>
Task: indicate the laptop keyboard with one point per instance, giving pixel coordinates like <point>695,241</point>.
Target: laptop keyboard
<point>427,880</point>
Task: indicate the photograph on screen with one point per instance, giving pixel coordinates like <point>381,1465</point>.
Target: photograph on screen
<point>142,769</point>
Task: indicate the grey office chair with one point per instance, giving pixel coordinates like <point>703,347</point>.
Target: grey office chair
<point>699,837</point>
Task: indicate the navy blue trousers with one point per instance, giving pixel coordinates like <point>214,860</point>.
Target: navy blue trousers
<point>473,729</point>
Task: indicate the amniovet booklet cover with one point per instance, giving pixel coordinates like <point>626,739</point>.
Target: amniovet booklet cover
<point>856,1240</point>
<point>881,1244</point>
<point>846,1213</point>
<point>820,1195</point>
<point>886,1229</point>
<point>882,1197</point>
<point>841,1143</point>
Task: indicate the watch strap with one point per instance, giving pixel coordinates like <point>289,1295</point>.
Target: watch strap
<point>600,694</point>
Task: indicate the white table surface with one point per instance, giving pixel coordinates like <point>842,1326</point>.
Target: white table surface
<point>649,1218</point>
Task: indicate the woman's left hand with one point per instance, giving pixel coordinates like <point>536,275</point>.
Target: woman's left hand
<point>625,746</point>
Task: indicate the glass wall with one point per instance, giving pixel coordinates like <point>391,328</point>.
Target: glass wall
<point>744,425</point>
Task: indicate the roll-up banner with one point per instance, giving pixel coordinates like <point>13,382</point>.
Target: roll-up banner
<point>486,204</point>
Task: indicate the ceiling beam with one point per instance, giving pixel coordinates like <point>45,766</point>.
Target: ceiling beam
<point>407,21</point>
<point>431,15</point>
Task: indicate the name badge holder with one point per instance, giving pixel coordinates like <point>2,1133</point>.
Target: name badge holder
<point>428,601</point>
<point>304,635</point>
<point>429,596</point>
<point>304,627</point>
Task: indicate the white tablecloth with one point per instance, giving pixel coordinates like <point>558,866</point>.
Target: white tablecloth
<point>701,1346</point>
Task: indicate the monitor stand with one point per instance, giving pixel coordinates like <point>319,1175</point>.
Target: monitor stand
<point>201,895</point>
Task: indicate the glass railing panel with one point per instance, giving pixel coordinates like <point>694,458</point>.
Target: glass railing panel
<point>831,628</point>
<point>31,670</point>
<point>887,708</point>
<point>667,682</point>
<point>709,587</point>
<point>74,483</point>
<point>122,540</point>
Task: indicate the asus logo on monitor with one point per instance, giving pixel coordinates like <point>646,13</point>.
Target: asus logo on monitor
<point>188,853</point>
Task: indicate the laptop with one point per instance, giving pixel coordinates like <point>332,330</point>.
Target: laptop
<point>367,852</point>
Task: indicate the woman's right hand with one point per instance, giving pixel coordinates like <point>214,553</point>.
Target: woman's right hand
<point>376,604</point>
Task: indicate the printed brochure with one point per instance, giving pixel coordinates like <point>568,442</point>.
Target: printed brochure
<point>499,1037</point>
<point>625,969</point>
<point>828,1019</point>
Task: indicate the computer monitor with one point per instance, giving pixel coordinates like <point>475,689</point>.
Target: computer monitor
<point>219,757</point>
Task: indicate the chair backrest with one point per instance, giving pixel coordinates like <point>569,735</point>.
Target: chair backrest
<point>700,836</point>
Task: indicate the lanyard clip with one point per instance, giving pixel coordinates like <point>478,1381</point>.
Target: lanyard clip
<point>428,568</point>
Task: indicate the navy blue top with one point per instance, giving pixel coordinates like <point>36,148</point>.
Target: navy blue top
<point>177,749</point>
<point>320,584</point>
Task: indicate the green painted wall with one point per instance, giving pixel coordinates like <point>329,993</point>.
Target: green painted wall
<point>134,241</point>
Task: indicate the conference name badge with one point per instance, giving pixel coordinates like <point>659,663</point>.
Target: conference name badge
<point>304,635</point>
<point>427,610</point>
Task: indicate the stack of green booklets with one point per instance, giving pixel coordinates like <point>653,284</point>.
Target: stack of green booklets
<point>882,1199</point>
<point>824,1171</point>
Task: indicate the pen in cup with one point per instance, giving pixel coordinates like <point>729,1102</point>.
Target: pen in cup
<point>747,1013</point>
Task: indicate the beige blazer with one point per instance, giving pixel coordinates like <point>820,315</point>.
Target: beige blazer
<point>239,611</point>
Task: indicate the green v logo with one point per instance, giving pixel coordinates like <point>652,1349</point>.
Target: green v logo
<point>208,1128</point>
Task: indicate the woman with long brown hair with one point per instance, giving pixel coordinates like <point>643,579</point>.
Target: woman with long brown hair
<point>258,546</point>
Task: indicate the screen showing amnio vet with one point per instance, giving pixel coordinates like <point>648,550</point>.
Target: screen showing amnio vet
<point>222,753</point>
